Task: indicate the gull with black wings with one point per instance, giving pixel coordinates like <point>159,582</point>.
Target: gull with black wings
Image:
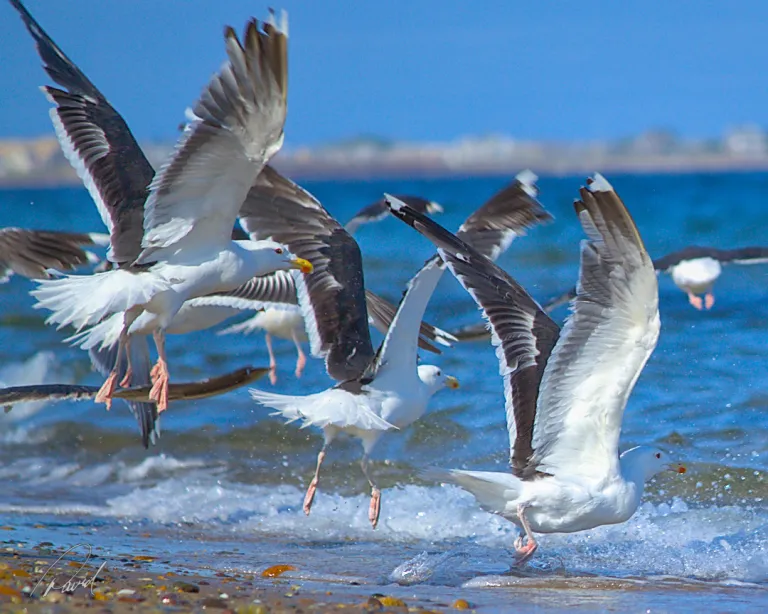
<point>187,251</point>
<point>565,391</point>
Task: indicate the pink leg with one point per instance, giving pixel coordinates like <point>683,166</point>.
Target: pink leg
<point>309,497</point>
<point>375,507</point>
<point>301,358</point>
<point>524,552</point>
<point>126,381</point>
<point>695,301</point>
<point>159,392</point>
<point>272,361</point>
<point>709,300</point>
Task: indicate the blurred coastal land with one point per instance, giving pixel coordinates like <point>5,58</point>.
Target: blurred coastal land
<point>40,162</point>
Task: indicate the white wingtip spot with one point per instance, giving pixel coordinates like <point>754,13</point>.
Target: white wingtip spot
<point>393,203</point>
<point>99,238</point>
<point>433,207</point>
<point>599,184</point>
<point>527,179</point>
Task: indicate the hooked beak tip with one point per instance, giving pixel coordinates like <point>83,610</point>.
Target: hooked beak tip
<point>452,382</point>
<point>305,266</point>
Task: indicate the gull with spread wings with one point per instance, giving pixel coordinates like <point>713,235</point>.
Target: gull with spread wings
<point>187,250</point>
<point>565,391</point>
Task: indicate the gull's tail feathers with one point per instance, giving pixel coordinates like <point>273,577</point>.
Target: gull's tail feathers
<point>105,334</point>
<point>333,407</point>
<point>103,359</point>
<point>84,300</point>
<point>493,490</point>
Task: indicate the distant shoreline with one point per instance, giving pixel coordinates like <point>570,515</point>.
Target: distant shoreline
<point>333,172</point>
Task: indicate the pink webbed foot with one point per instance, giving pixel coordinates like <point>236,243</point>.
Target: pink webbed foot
<point>695,301</point>
<point>709,300</point>
<point>104,395</point>
<point>159,392</point>
<point>375,508</point>
<point>524,552</point>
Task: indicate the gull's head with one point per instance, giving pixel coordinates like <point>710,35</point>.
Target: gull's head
<point>276,257</point>
<point>434,378</point>
<point>648,461</point>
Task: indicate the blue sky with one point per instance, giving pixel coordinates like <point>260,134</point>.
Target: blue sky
<point>418,69</point>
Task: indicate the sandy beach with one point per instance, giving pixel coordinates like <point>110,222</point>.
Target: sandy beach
<point>49,579</point>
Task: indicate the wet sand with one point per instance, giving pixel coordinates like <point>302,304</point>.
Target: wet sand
<point>91,583</point>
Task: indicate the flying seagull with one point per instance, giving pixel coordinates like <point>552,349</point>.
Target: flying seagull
<point>31,253</point>
<point>694,270</point>
<point>375,212</point>
<point>187,251</point>
<point>377,391</point>
<point>565,392</point>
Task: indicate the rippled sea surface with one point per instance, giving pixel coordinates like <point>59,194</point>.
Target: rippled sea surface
<point>224,486</point>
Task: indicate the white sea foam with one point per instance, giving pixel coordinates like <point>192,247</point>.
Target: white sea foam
<point>712,543</point>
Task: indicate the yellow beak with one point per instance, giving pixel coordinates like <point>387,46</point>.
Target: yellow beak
<point>451,382</point>
<point>305,266</point>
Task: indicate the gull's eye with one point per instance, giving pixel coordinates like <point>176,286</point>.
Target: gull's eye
<point>278,250</point>
<point>439,373</point>
<point>658,454</point>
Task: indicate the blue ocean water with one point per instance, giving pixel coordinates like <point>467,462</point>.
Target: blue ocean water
<point>227,469</point>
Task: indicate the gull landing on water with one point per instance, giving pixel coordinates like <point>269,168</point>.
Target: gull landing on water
<point>565,393</point>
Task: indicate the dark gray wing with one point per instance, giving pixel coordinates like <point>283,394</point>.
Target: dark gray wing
<point>490,230</point>
<point>98,144</point>
<point>332,297</point>
<point>378,211</point>
<point>279,287</point>
<point>506,215</point>
<point>523,334</point>
<point>31,252</point>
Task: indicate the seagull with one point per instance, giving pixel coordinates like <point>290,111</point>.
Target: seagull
<point>187,251</point>
<point>375,212</point>
<point>377,391</point>
<point>694,270</point>
<point>31,253</point>
<point>565,392</point>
